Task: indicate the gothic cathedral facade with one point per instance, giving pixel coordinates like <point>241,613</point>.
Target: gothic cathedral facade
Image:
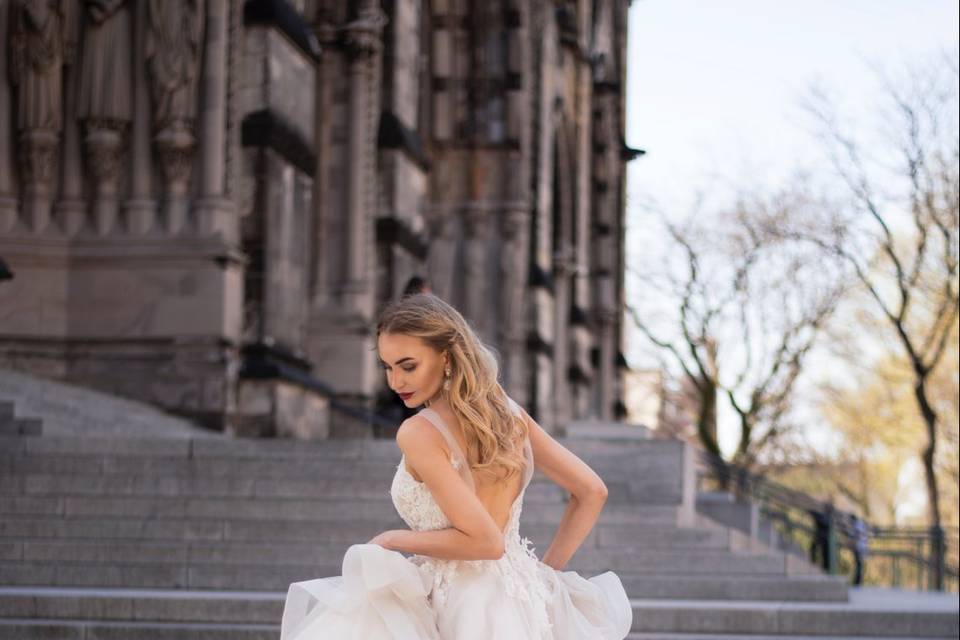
<point>205,203</point>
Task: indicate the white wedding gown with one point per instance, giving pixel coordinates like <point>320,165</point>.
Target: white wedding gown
<point>383,595</point>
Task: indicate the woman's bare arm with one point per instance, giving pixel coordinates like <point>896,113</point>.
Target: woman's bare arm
<point>474,534</point>
<point>588,493</point>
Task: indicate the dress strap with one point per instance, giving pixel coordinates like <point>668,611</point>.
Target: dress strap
<point>457,457</point>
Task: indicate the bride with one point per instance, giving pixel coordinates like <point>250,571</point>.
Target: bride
<point>468,456</point>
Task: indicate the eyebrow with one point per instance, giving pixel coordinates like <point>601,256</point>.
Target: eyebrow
<point>400,361</point>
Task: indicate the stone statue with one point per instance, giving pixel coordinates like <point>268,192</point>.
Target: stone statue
<point>40,47</point>
<point>42,42</point>
<point>173,43</point>
<point>172,51</point>
<point>105,80</point>
<point>104,100</point>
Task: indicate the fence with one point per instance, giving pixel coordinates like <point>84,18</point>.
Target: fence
<point>904,557</point>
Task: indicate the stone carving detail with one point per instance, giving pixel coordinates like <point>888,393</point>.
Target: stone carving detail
<point>41,44</point>
<point>105,80</point>
<point>104,101</point>
<point>362,36</point>
<point>174,38</point>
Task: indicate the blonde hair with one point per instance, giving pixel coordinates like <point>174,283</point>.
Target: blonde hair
<point>494,434</point>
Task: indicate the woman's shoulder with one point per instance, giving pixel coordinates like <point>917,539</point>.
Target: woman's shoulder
<point>417,430</point>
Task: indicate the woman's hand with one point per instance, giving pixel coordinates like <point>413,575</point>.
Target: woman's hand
<point>386,539</point>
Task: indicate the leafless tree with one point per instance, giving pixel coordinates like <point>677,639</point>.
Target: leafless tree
<point>892,216</point>
<point>739,313</point>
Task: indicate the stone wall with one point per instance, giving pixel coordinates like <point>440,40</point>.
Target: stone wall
<point>311,157</point>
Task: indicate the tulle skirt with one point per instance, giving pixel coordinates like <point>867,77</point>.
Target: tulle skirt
<point>382,595</point>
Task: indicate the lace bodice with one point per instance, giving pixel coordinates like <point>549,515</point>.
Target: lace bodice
<point>518,566</point>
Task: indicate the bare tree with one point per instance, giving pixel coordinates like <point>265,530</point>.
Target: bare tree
<point>742,310</point>
<point>895,222</point>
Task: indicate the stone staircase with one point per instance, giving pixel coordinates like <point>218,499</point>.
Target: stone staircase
<point>153,538</point>
<point>11,425</point>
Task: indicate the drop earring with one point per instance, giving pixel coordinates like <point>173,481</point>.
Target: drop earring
<point>446,379</point>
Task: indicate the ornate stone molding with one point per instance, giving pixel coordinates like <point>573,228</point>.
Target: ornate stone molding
<point>175,150</point>
<point>362,36</point>
<point>104,144</point>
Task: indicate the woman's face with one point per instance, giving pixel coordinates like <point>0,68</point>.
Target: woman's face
<point>414,369</point>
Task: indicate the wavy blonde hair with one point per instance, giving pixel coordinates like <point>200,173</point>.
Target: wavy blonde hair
<point>494,434</point>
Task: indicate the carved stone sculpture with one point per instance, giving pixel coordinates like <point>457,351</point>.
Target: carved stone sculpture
<point>40,46</point>
<point>174,39</point>
<point>104,101</point>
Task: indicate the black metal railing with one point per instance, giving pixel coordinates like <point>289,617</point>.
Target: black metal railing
<point>839,541</point>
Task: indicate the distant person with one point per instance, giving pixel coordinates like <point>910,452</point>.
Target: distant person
<point>820,548</point>
<point>818,543</point>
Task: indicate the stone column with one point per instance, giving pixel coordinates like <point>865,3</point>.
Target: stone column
<point>8,188</point>
<point>71,208</point>
<point>608,352</point>
<point>140,208</point>
<point>364,44</point>
<point>323,112</point>
<point>515,230</point>
<point>476,218</point>
<point>441,260</point>
<point>215,213</point>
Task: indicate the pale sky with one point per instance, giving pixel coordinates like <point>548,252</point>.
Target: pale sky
<point>714,87</point>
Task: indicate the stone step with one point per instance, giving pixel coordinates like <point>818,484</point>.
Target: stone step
<point>856,619</point>
<point>45,629</point>
<point>170,529</point>
<point>737,636</point>
<point>330,484</point>
<point>297,554</point>
<point>296,509</point>
<point>278,575</point>
<point>70,484</point>
<point>814,588</point>
<point>201,615</point>
<point>221,447</point>
<point>142,605</point>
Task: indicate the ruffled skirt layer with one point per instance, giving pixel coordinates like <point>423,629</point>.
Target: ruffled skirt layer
<point>382,595</point>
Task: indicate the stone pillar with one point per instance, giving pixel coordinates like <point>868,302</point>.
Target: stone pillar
<point>515,229</point>
<point>364,44</point>
<point>323,112</point>
<point>441,261</point>
<point>339,339</point>
<point>140,208</point>
<point>215,213</point>
<point>8,188</point>
<point>607,390</point>
<point>475,302</point>
<point>71,208</point>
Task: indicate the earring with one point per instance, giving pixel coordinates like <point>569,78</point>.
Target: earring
<point>446,380</point>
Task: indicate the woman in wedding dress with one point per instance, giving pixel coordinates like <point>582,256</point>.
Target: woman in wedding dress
<point>468,456</point>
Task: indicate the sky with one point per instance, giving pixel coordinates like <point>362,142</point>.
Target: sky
<point>714,90</point>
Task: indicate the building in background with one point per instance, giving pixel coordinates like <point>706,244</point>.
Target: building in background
<point>207,202</point>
